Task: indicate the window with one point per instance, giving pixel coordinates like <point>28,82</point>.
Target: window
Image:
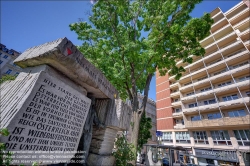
<point>218,60</point>
<point>177,110</point>
<point>243,137</point>
<point>17,73</point>
<point>167,137</point>
<point>236,113</point>
<point>222,71</point>
<point>5,56</point>
<point>195,118</point>
<point>182,137</point>
<point>175,100</point>
<point>200,137</point>
<point>244,78</point>
<point>188,83</point>
<point>189,94</point>
<point>212,101</point>
<point>228,98</point>
<point>202,78</point>
<point>206,89</point>
<point>221,137</point>
<point>214,116</point>
<point>1,61</point>
<point>224,84</point>
<point>239,65</point>
<point>248,93</point>
<point>8,71</point>
<point>192,105</point>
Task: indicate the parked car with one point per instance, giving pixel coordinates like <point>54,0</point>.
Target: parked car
<point>165,162</point>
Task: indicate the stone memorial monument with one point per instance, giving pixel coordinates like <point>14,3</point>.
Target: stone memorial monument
<point>61,109</point>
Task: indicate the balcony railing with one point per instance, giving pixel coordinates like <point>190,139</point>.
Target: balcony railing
<point>176,84</point>
<point>245,31</point>
<point>179,126</point>
<point>241,22</point>
<point>175,94</point>
<point>225,74</point>
<point>221,29</point>
<point>238,14</point>
<point>177,114</point>
<point>223,104</point>
<point>226,121</point>
<point>176,103</point>
<point>225,37</point>
<point>244,83</point>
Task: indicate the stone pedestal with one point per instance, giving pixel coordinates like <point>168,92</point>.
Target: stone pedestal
<point>46,106</point>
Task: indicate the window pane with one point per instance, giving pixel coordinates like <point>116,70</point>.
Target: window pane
<point>231,114</point>
<point>218,115</point>
<point>224,98</point>
<point>234,97</point>
<point>247,134</point>
<point>242,134</point>
<point>237,136</point>
<point>236,114</point>
<point>242,112</point>
<point>226,135</point>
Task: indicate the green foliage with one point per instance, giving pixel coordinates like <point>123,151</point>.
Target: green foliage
<point>144,131</point>
<point>128,40</point>
<point>5,157</point>
<point>124,152</point>
<point>7,77</point>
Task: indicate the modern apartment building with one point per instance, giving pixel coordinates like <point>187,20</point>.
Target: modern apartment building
<point>7,56</point>
<point>207,110</point>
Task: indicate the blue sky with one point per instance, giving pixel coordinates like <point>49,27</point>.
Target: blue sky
<point>29,23</point>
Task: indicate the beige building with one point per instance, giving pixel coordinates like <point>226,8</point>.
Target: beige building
<point>207,110</point>
<point>7,56</point>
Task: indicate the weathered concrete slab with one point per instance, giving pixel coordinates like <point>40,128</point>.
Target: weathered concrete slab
<point>65,57</point>
<point>95,159</point>
<point>44,113</point>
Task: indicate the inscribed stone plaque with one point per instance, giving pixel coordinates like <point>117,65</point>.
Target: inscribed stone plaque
<point>46,124</point>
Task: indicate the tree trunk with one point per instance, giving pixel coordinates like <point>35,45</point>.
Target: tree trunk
<point>135,132</point>
<point>137,113</point>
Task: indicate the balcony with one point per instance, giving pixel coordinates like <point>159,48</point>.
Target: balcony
<point>237,25</point>
<point>222,122</point>
<point>177,103</point>
<point>210,107</point>
<point>233,103</point>
<point>220,31</point>
<point>175,94</point>
<point>239,14</point>
<point>225,37</point>
<point>176,84</point>
<point>177,114</point>
<point>245,32</point>
<point>224,74</point>
<point>247,42</point>
<point>179,126</point>
<point>217,90</point>
<point>230,45</point>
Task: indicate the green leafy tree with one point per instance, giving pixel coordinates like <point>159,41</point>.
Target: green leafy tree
<point>5,157</point>
<point>129,40</point>
<point>124,152</point>
<point>7,77</point>
<point>144,131</point>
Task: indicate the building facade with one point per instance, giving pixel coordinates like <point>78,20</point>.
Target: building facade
<point>7,56</point>
<point>207,110</point>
